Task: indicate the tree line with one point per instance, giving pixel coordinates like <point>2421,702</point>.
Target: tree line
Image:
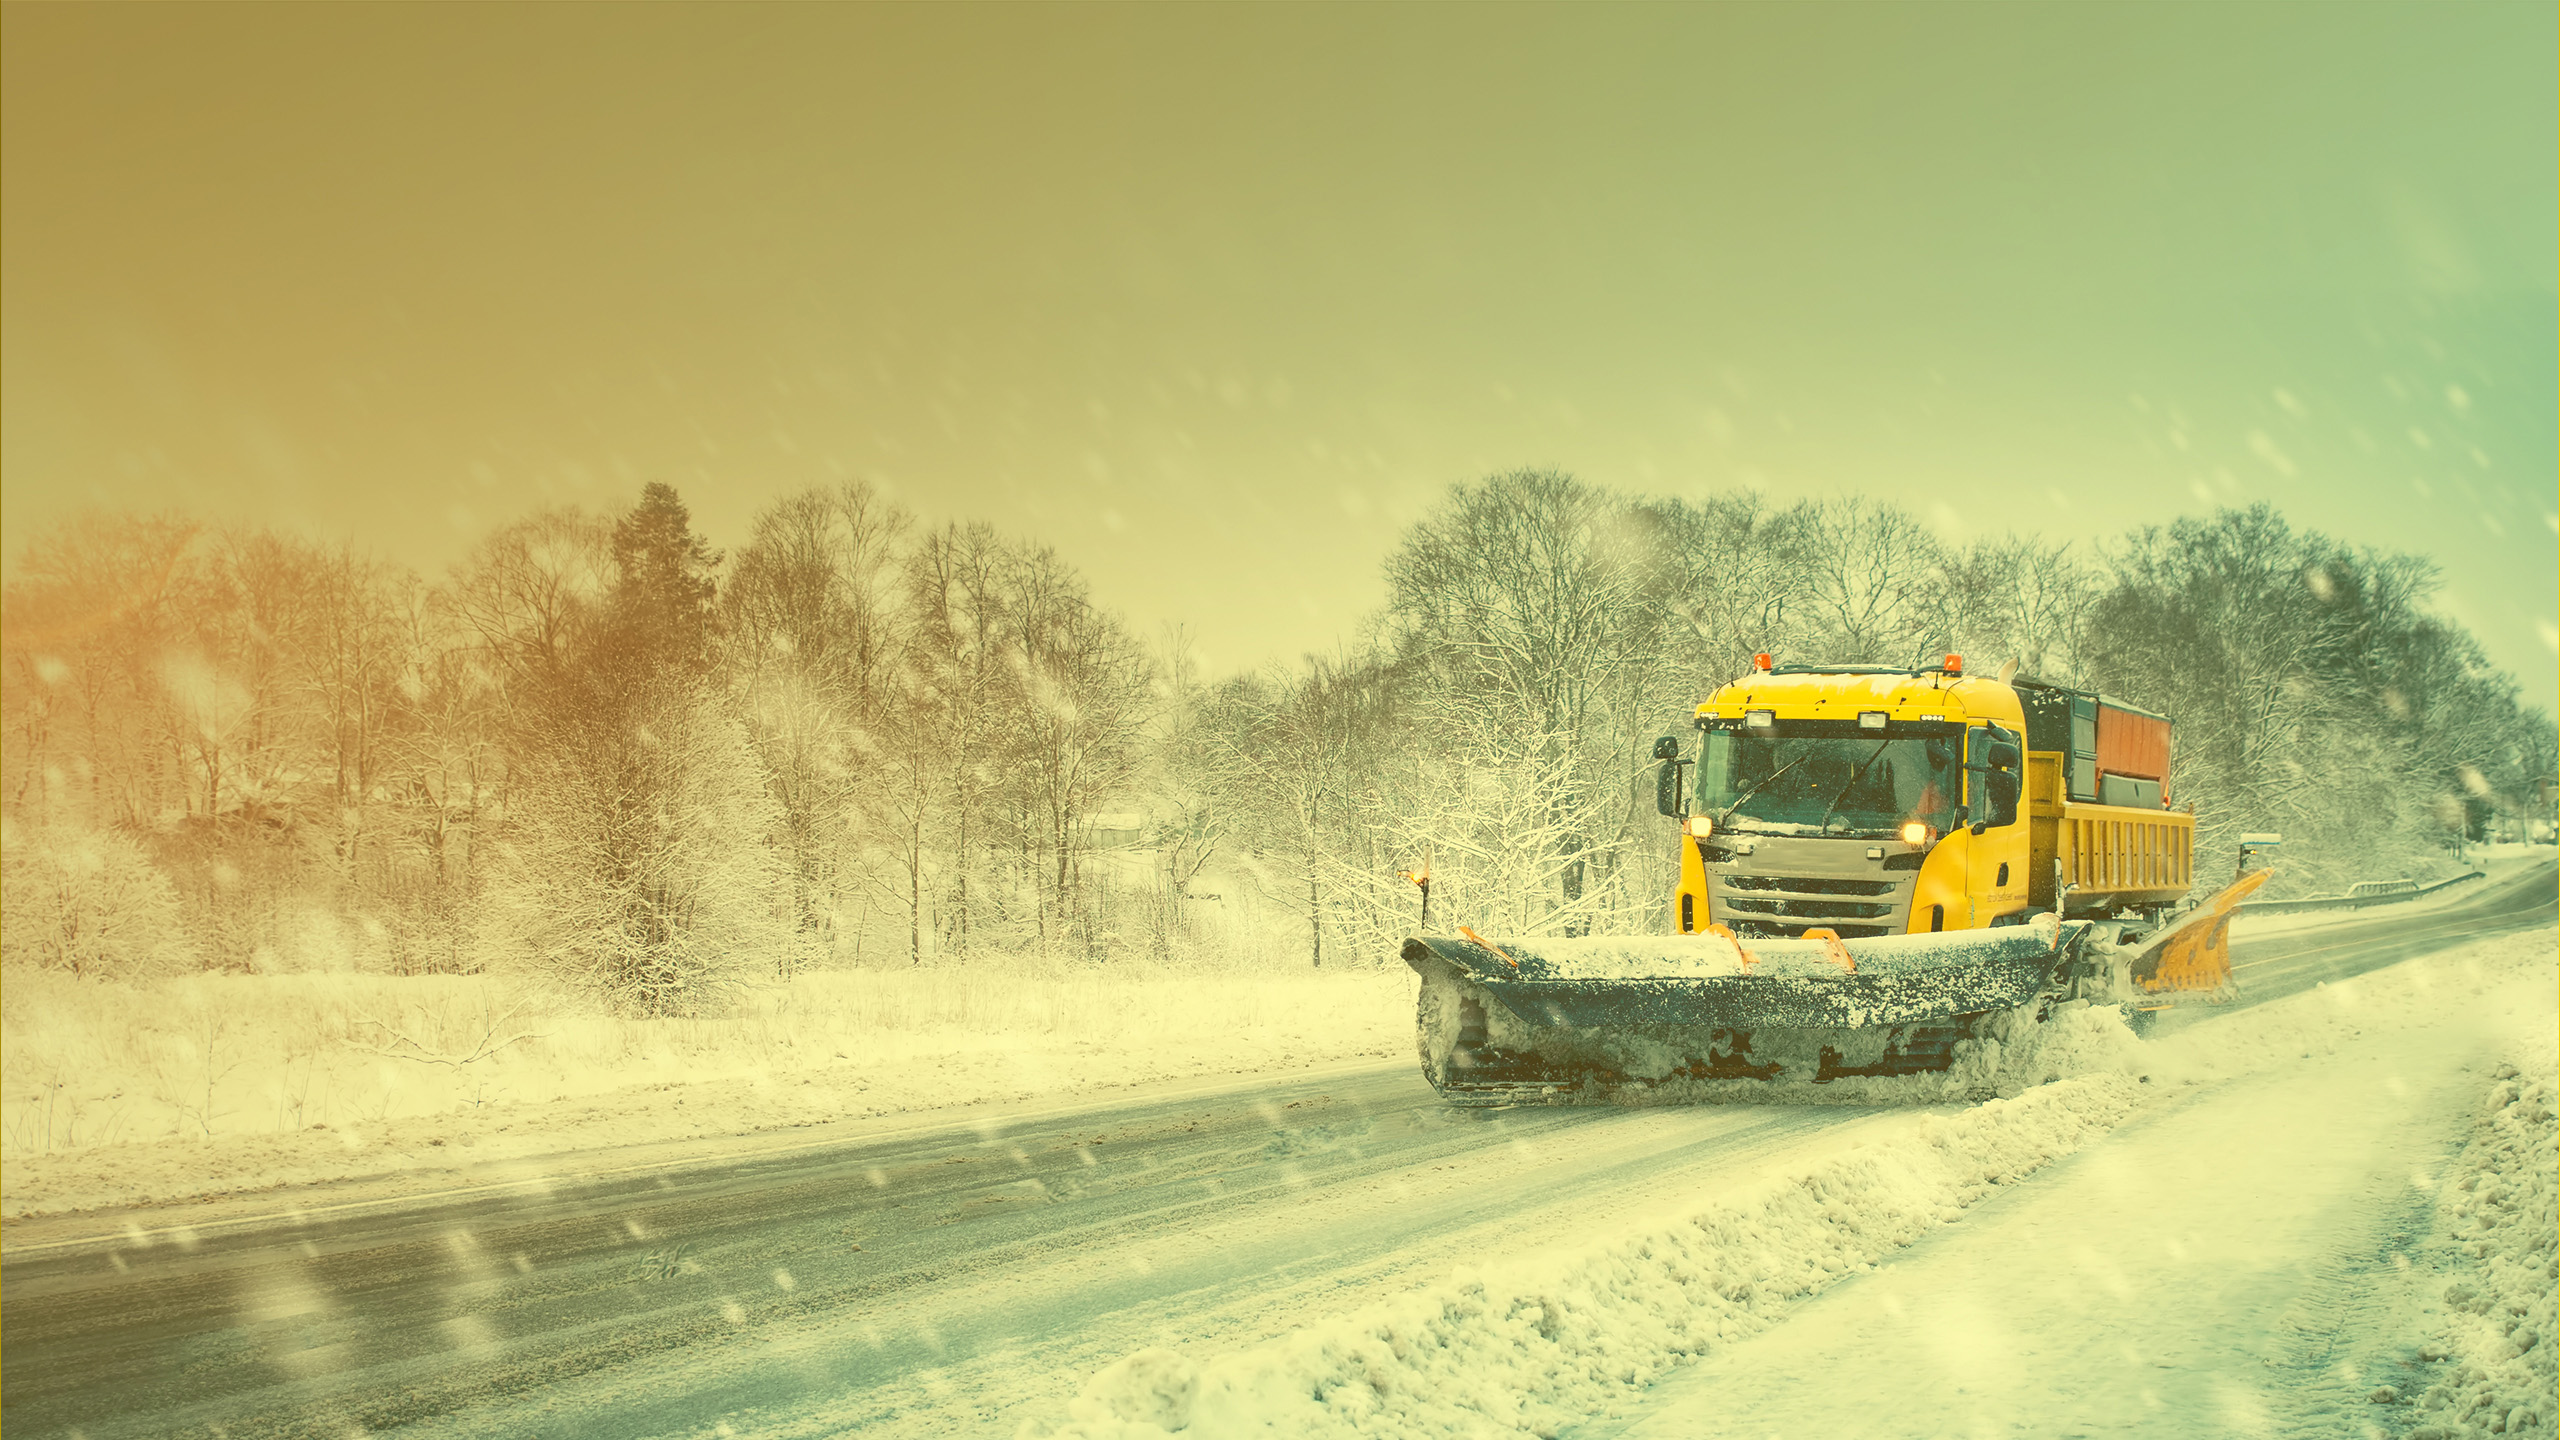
<point>599,751</point>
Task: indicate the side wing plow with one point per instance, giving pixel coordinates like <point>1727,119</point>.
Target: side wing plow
<point>2190,959</point>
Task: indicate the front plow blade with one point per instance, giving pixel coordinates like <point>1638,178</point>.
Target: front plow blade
<point>1545,1020</point>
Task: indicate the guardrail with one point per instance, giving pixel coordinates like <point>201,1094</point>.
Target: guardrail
<point>2354,902</point>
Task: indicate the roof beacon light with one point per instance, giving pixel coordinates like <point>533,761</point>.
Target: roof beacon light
<point>1760,719</point>
<point>1761,661</point>
<point>1955,664</point>
<point>1870,719</point>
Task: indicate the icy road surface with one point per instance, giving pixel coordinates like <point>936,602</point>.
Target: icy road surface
<point>955,1279</point>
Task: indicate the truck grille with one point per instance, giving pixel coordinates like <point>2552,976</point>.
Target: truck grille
<point>1809,909</point>
<point>1809,885</point>
<point>1783,887</point>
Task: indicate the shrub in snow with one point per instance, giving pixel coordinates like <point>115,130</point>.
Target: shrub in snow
<point>88,902</point>
<point>639,864</point>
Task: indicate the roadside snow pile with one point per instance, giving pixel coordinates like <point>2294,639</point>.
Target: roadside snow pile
<point>2499,1207</point>
<point>201,1084</point>
<point>2074,1039</point>
<point>1529,1347</point>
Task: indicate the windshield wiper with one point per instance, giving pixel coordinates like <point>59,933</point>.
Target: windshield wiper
<point>1854,777</point>
<point>1766,781</point>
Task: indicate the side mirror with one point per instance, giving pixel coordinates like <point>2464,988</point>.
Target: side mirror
<point>1998,760</point>
<point>2002,786</point>
<point>1666,777</point>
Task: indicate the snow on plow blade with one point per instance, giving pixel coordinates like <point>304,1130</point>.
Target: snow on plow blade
<point>1504,1021</point>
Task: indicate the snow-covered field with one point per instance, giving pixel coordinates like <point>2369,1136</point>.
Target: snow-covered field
<point>217,1083</point>
<point>2258,1226</point>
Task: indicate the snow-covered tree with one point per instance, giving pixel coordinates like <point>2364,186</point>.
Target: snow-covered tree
<point>812,640</point>
<point>641,858</point>
<point>87,902</point>
<point>640,863</point>
<point>1537,613</point>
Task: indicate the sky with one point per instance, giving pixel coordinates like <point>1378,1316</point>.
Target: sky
<point>1217,299</point>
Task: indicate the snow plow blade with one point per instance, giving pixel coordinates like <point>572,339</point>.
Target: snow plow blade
<point>1557,1021</point>
<point>2191,959</point>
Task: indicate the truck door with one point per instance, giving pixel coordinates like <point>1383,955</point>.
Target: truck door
<point>1995,797</point>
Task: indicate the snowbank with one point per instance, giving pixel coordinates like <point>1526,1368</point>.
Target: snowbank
<point>206,1084</point>
<point>1524,1348</point>
<point>2498,1209</point>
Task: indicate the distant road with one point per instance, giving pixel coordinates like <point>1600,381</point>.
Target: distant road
<point>929,1283</point>
<point>2271,967</point>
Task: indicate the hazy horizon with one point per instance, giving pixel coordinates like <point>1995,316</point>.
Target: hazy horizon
<point>1216,301</point>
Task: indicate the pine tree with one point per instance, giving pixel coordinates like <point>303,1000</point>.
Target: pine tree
<point>659,614</point>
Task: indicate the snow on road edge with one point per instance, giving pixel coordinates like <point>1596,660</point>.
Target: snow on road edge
<point>2500,1208</point>
<point>1543,1343</point>
<point>1530,1347</point>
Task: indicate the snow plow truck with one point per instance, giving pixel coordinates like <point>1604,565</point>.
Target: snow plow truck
<point>1876,865</point>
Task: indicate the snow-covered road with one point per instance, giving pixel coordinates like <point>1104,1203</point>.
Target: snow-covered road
<point>961,1279</point>
<point>934,1284</point>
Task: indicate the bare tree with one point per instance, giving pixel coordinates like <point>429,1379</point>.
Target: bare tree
<point>966,659</point>
<point>1738,589</point>
<point>1190,781</point>
<point>2016,599</point>
<point>1084,687</point>
<point>1302,744</point>
<point>529,594</point>
<point>95,610</point>
<point>811,637</point>
<point>1546,605</point>
<point>1869,574</point>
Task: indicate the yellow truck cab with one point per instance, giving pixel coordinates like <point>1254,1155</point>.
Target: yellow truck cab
<point>1865,801</point>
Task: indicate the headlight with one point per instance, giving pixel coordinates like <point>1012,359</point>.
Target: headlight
<point>1702,826</point>
<point>1915,834</point>
<point>1871,719</point>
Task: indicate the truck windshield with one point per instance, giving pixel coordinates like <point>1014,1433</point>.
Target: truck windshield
<point>1835,783</point>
